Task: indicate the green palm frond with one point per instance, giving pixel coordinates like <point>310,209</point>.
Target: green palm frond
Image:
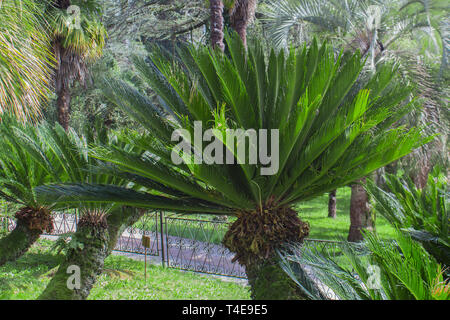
<point>331,132</point>
<point>373,270</point>
<point>422,213</point>
<point>25,59</point>
<point>81,32</point>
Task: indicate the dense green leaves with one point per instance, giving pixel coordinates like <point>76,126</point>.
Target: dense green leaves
<point>422,213</point>
<point>328,134</point>
<point>374,270</point>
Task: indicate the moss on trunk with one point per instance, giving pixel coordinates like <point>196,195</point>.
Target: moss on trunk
<point>31,223</point>
<point>269,282</point>
<point>254,237</point>
<point>89,248</point>
<point>91,245</point>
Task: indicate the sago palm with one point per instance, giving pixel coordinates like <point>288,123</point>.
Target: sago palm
<point>33,156</point>
<point>422,213</point>
<point>20,172</point>
<point>323,143</point>
<point>375,270</point>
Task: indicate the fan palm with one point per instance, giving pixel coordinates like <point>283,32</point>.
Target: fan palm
<point>78,37</point>
<point>323,142</point>
<point>25,60</point>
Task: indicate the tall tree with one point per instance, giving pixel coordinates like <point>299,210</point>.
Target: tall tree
<point>332,204</point>
<point>242,12</point>
<point>361,215</point>
<point>217,32</point>
<point>78,37</point>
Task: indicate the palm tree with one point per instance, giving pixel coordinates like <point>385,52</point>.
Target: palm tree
<point>217,34</point>
<point>33,156</point>
<point>325,143</point>
<point>78,37</point>
<point>20,172</point>
<point>98,228</point>
<point>242,12</point>
<point>25,60</point>
<point>348,23</point>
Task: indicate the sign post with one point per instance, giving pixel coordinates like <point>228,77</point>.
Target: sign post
<point>145,244</point>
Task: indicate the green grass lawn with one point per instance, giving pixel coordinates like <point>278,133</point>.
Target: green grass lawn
<point>316,213</point>
<point>123,279</point>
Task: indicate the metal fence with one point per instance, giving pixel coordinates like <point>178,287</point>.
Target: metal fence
<point>180,242</point>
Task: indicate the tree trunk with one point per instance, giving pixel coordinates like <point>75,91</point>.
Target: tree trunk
<point>119,220</point>
<point>241,15</point>
<point>217,35</point>
<point>97,242</point>
<point>360,213</point>
<point>62,85</point>
<point>268,281</point>
<point>29,227</point>
<point>420,179</point>
<point>63,106</point>
<point>255,237</point>
<point>332,204</point>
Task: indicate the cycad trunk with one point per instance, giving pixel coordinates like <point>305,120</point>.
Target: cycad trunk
<point>332,204</point>
<point>30,225</point>
<point>97,242</point>
<point>361,217</point>
<point>217,35</point>
<point>255,237</point>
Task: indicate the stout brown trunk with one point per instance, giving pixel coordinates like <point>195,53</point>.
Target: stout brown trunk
<point>332,204</point>
<point>360,213</point>
<point>217,35</point>
<point>62,84</point>
<point>241,16</point>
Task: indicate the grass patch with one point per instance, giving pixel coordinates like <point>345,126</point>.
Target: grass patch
<point>316,213</point>
<point>27,277</point>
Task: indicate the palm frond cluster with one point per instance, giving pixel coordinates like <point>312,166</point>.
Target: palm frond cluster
<point>414,266</point>
<point>331,132</point>
<point>25,59</point>
<point>374,270</point>
<point>421,213</point>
